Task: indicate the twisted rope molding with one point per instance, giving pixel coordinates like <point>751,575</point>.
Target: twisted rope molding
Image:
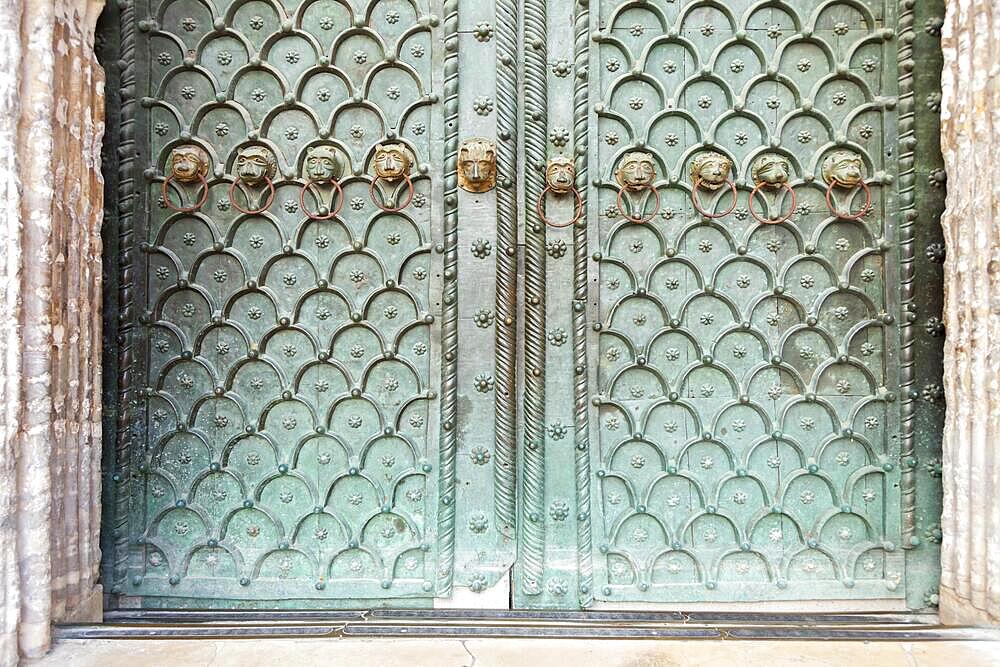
<point>584,539</point>
<point>126,194</point>
<point>908,216</point>
<point>449,320</point>
<point>535,143</point>
<point>505,430</point>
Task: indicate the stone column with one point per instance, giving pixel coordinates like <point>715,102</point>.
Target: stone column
<point>51,127</point>
<point>970,139</point>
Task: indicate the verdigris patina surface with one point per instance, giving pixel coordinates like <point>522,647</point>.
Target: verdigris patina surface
<point>718,392</point>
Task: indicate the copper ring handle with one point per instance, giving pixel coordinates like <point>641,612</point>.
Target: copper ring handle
<point>339,195</point>
<point>267,204</point>
<point>578,207</point>
<point>753,194</point>
<point>697,206</point>
<point>185,209</point>
<point>849,216</point>
<point>639,219</point>
<point>389,209</point>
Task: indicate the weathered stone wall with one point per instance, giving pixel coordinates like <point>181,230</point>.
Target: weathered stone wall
<point>51,127</point>
<point>970,137</point>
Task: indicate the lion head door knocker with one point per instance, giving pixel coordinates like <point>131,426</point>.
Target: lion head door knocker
<point>635,175</point>
<point>560,175</point>
<point>477,165</point>
<point>321,171</point>
<point>392,164</point>
<point>771,172</point>
<point>710,171</point>
<point>255,167</point>
<point>187,165</point>
<point>844,170</point>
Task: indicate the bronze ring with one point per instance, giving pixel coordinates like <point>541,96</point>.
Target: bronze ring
<point>185,209</point>
<point>639,218</point>
<point>697,206</point>
<point>849,216</point>
<point>338,195</point>
<point>389,209</point>
<point>753,194</point>
<point>267,204</point>
<point>578,207</point>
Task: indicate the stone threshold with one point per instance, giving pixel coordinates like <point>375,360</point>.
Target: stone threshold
<point>470,624</point>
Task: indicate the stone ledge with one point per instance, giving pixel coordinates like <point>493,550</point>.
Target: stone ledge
<point>486,652</point>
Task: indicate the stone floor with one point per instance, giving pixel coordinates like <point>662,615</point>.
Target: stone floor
<point>534,652</point>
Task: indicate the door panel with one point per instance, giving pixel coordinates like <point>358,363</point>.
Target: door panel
<point>730,391</point>
<point>294,357</point>
<point>743,426</point>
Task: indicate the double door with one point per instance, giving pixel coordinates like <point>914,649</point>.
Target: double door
<point>552,303</point>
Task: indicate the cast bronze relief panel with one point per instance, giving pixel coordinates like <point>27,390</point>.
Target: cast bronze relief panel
<point>746,376</point>
<point>291,302</point>
<point>332,396</point>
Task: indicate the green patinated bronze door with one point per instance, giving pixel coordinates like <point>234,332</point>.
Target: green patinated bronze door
<point>716,402</point>
<point>291,379</point>
<point>546,303</point>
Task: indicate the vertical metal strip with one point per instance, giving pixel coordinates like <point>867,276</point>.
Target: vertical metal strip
<point>449,320</point>
<point>533,486</point>
<point>907,218</point>
<point>127,378</point>
<point>581,29</point>
<point>923,562</point>
<point>505,463</point>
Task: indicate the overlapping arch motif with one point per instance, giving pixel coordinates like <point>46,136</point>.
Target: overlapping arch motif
<point>745,428</point>
<point>290,397</point>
